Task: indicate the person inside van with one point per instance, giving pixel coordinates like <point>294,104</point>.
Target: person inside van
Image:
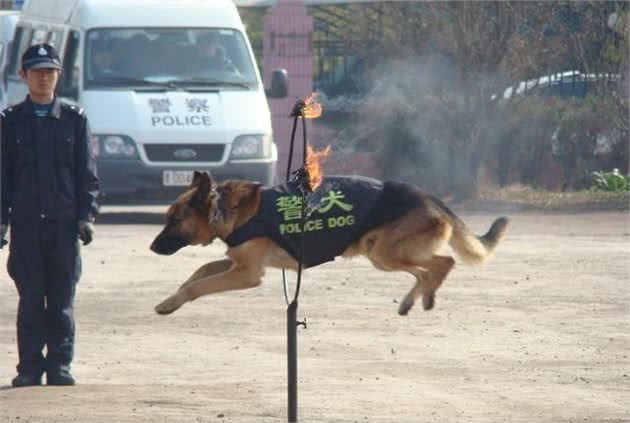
<point>102,60</point>
<point>134,63</point>
<point>211,55</point>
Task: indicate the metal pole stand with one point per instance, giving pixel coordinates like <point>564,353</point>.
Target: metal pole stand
<point>302,178</point>
<point>292,360</point>
<point>292,325</point>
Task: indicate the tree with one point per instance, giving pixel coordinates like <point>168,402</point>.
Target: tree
<point>449,62</point>
<point>448,68</point>
<point>581,134</point>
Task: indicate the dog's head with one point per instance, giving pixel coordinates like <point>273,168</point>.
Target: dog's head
<point>206,211</point>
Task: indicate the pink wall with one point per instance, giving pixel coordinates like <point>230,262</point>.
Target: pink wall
<point>287,45</point>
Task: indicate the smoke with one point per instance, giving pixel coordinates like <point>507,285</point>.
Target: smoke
<point>423,119</point>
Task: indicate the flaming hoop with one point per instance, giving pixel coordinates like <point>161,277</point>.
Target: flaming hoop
<point>314,160</point>
<point>308,178</point>
<point>309,175</point>
<point>308,108</point>
<point>312,108</point>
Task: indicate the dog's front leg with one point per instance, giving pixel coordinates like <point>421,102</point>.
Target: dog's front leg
<point>238,277</point>
<point>209,269</point>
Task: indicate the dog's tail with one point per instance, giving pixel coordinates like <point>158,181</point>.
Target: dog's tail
<point>472,249</point>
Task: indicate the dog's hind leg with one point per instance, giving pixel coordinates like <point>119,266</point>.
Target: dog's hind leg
<point>403,245</point>
<point>429,276</point>
<point>410,245</point>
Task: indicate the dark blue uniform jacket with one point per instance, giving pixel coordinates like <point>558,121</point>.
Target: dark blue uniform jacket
<point>48,170</point>
<point>338,214</point>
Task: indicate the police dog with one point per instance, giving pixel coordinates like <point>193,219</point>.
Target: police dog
<point>395,225</point>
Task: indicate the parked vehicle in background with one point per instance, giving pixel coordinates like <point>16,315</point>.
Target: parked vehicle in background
<point>169,86</point>
<point>561,129</point>
<point>563,84</point>
<point>8,20</point>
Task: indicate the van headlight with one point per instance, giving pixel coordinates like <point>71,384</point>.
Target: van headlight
<point>251,147</point>
<point>116,147</point>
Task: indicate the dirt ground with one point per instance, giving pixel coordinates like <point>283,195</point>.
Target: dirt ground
<point>541,334</point>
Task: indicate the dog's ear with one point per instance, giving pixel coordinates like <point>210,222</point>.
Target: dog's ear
<point>244,197</point>
<point>242,193</point>
<point>198,177</point>
<point>203,183</point>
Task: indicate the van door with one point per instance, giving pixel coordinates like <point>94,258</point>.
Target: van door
<point>3,102</point>
<point>68,86</point>
<point>16,89</point>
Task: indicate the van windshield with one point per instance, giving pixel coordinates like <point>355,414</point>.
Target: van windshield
<point>167,57</point>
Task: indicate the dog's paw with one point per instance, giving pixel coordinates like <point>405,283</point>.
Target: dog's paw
<point>405,306</point>
<point>428,301</point>
<point>168,306</point>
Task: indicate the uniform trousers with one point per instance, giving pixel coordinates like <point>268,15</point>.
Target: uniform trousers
<point>45,264</point>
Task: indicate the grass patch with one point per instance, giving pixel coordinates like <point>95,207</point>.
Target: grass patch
<point>529,198</point>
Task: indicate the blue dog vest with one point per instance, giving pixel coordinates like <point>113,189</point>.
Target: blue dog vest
<point>338,213</point>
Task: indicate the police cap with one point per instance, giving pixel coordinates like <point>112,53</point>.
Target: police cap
<point>40,56</point>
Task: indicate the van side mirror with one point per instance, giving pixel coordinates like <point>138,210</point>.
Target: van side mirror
<point>279,84</point>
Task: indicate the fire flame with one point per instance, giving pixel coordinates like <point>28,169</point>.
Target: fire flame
<point>314,160</point>
<point>312,109</point>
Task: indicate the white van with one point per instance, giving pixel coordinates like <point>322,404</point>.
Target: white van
<point>8,19</point>
<point>158,105</point>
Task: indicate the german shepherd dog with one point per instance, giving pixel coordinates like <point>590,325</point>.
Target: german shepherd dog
<point>395,225</point>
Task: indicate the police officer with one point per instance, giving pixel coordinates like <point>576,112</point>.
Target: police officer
<point>211,55</point>
<point>48,197</point>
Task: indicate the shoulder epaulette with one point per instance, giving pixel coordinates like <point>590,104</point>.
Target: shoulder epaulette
<point>72,108</point>
<point>6,111</point>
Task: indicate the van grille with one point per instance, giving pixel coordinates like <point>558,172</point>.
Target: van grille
<point>184,152</point>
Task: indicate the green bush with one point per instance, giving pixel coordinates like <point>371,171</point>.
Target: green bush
<point>610,181</point>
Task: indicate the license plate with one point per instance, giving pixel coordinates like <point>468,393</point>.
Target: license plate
<point>176,178</point>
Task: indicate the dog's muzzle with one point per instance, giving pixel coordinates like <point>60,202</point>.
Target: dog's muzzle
<point>166,244</point>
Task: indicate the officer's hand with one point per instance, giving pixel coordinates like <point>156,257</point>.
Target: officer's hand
<point>86,231</point>
<point>3,234</point>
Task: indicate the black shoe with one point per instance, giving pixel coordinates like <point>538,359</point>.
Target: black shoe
<point>22,380</point>
<point>62,378</point>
